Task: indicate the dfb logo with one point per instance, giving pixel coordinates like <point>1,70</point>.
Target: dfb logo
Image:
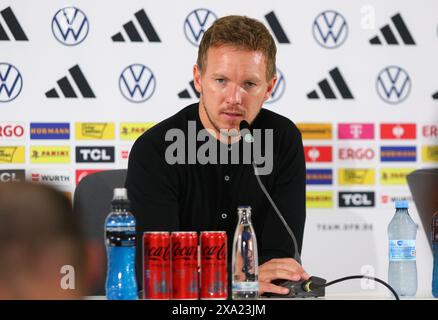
<point>12,175</point>
<point>330,29</point>
<point>393,84</point>
<point>11,82</point>
<point>70,26</point>
<point>11,131</point>
<point>356,199</point>
<point>356,154</point>
<point>196,23</point>
<point>279,88</point>
<point>137,83</point>
<point>94,154</point>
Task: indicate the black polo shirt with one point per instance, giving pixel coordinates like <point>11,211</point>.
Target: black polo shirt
<point>205,197</point>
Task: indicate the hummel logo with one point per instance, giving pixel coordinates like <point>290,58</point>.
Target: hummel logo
<point>390,36</point>
<point>185,94</point>
<point>276,28</point>
<point>13,25</point>
<point>327,90</point>
<point>132,31</point>
<point>67,89</point>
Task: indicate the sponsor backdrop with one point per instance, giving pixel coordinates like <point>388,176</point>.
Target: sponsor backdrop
<point>80,82</point>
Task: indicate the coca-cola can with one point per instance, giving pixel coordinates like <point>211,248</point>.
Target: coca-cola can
<point>156,265</point>
<point>214,280</point>
<point>184,265</point>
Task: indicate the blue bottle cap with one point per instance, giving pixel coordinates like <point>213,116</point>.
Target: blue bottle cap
<point>401,204</point>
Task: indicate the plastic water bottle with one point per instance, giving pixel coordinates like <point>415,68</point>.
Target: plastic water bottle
<point>120,237</point>
<point>402,232</point>
<point>435,254</point>
<point>245,269</point>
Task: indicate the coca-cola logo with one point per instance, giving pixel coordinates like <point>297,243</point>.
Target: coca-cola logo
<point>213,252</point>
<point>158,253</point>
<point>183,252</point>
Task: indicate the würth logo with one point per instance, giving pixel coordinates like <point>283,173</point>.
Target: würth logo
<point>196,23</point>
<point>189,94</point>
<point>67,89</point>
<point>393,84</point>
<point>330,29</point>
<point>70,26</point>
<point>11,82</point>
<point>389,35</point>
<point>13,25</point>
<point>327,89</point>
<point>144,24</point>
<point>276,28</point>
<point>137,83</point>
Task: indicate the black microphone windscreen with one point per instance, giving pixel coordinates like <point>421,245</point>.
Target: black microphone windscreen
<point>243,125</point>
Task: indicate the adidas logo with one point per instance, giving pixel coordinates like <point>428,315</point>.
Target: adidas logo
<point>185,94</point>
<point>13,25</point>
<point>66,85</point>
<point>276,28</point>
<point>435,96</point>
<point>390,36</point>
<point>326,88</point>
<point>132,30</point>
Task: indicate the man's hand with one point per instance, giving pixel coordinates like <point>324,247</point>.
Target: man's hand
<point>283,268</point>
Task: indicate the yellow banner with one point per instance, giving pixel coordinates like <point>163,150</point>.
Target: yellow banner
<point>11,154</point>
<point>394,176</point>
<point>132,130</point>
<point>95,131</point>
<point>430,153</point>
<point>50,154</point>
<point>348,177</point>
<point>319,199</point>
<point>312,131</point>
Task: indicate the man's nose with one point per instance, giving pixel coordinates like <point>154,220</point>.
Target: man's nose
<point>234,94</point>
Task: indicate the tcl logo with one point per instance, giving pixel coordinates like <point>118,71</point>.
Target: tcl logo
<point>12,175</point>
<point>356,199</point>
<point>11,131</point>
<point>356,154</point>
<point>94,154</point>
<point>430,131</point>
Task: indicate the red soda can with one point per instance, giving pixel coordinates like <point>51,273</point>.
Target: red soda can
<point>214,280</point>
<point>156,265</point>
<point>184,265</point>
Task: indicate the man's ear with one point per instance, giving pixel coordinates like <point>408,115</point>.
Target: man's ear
<point>197,78</point>
<point>270,88</point>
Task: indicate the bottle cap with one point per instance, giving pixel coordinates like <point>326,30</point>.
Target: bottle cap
<point>120,193</point>
<point>401,204</point>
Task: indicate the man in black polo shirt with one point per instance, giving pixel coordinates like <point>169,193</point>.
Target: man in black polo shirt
<point>171,188</point>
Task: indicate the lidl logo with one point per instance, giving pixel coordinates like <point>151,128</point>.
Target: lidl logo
<point>51,131</point>
<point>405,154</point>
<point>319,199</point>
<point>318,153</point>
<point>430,153</point>
<point>319,176</point>
<point>394,176</point>
<point>356,176</point>
<point>95,131</point>
<point>131,130</point>
<point>49,154</point>
<point>320,131</point>
<point>11,154</point>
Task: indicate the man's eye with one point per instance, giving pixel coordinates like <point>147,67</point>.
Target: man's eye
<point>250,84</point>
<point>219,80</point>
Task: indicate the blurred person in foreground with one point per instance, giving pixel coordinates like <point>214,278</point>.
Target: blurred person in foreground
<point>43,254</point>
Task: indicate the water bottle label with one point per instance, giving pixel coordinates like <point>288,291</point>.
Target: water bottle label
<point>402,250</point>
<point>245,286</point>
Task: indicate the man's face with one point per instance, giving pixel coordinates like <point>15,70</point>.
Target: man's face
<point>233,87</point>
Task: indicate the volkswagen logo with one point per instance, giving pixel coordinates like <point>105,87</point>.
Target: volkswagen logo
<point>137,83</point>
<point>196,23</point>
<point>330,29</point>
<point>70,26</point>
<point>393,84</point>
<point>279,88</point>
<point>11,82</point>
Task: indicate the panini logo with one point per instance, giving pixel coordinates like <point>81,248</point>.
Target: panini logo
<point>398,131</point>
<point>11,154</point>
<point>319,199</point>
<point>405,154</point>
<point>51,131</point>
<point>51,177</point>
<point>356,154</point>
<point>131,131</point>
<point>12,175</point>
<point>313,131</point>
<point>94,131</point>
<point>429,153</point>
<point>394,176</point>
<point>319,176</point>
<point>356,131</point>
<point>80,174</point>
<point>95,154</point>
<point>430,131</point>
<point>318,153</point>
<point>356,177</point>
<point>11,131</point>
<point>49,154</point>
<point>356,199</point>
